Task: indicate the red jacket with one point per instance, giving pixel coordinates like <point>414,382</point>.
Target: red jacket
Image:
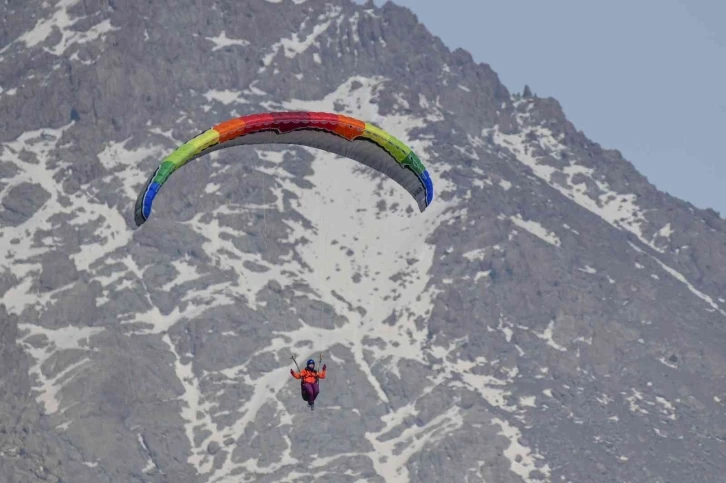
<point>308,376</point>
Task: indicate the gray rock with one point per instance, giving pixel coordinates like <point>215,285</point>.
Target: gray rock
<point>57,271</point>
<point>21,202</point>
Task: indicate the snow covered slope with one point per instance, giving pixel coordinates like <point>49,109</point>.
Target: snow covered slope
<point>551,317</point>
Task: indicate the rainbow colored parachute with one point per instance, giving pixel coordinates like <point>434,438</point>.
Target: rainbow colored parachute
<point>337,134</point>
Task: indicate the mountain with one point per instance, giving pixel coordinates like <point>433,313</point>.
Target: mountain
<point>551,317</point>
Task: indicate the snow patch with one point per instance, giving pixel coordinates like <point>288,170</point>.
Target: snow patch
<point>389,461</point>
<point>475,255</point>
<point>547,337</point>
<point>225,97</point>
<point>65,338</point>
<point>619,210</point>
<point>221,41</point>
<point>17,246</point>
<point>665,362</point>
<point>663,233</point>
<point>537,230</point>
<point>296,44</point>
<point>522,459</point>
<point>61,21</point>
<point>678,276</point>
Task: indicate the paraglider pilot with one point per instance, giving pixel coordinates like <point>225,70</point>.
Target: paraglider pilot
<point>309,384</point>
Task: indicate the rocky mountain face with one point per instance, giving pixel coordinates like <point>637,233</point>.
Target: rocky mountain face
<point>551,317</point>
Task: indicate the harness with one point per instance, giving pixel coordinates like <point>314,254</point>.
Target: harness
<point>305,373</point>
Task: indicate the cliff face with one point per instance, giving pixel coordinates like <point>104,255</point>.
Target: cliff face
<point>550,317</point>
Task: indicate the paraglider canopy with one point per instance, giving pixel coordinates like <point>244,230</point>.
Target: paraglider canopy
<point>343,135</point>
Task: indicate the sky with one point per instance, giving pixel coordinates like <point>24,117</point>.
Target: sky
<point>646,77</point>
